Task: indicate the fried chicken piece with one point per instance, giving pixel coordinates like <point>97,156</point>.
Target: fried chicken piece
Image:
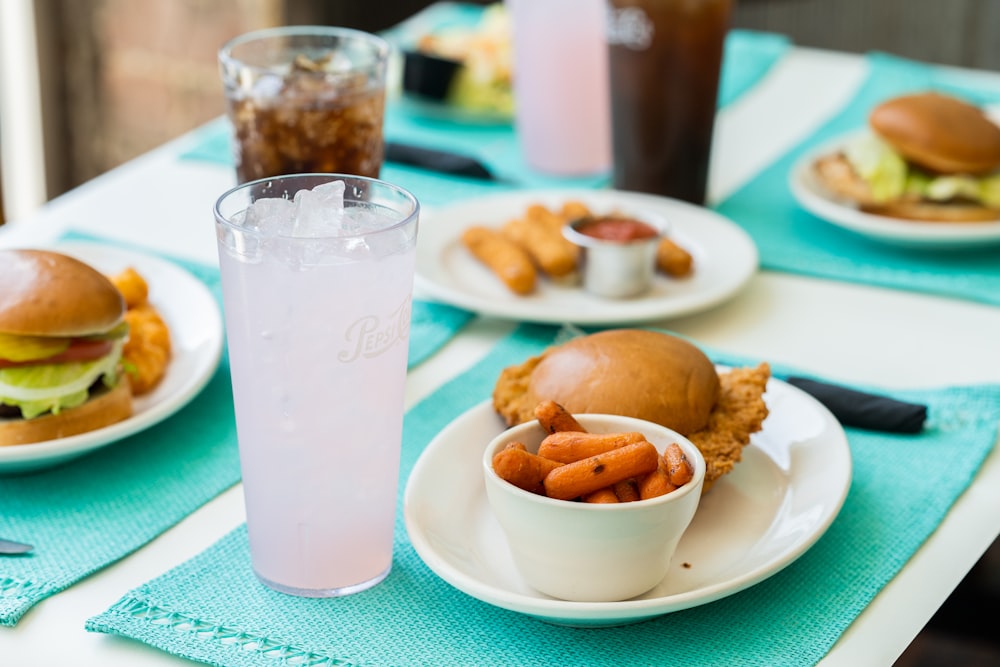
<point>147,350</point>
<point>133,287</point>
<point>740,412</point>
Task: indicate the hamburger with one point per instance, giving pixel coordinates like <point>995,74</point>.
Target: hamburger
<point>648,375</point>
<point>62,331</point>
<point>928,157</point>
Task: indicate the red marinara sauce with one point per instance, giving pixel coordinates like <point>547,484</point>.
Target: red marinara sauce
<point>619,230</point>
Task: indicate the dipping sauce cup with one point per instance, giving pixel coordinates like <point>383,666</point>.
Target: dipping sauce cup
<point>619,254</point>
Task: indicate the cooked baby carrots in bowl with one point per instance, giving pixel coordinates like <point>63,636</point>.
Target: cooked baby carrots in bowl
<point>592,513</point>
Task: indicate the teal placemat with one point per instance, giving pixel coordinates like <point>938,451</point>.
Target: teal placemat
<point>212,609</point>
<point>793,240</point>
<point>94,510</point>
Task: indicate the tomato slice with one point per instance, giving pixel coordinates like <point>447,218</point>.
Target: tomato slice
<point>79,350</point>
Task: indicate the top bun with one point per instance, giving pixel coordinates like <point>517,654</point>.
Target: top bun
<point>939,133</point>
<point>49,294</point>
<point>630,372</point>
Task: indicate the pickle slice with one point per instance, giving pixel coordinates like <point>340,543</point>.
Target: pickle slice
<point>28,348</point>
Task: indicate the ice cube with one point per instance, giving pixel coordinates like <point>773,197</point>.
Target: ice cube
<point>266,86</point>
<point>270,216</point>
<point>320,211</point>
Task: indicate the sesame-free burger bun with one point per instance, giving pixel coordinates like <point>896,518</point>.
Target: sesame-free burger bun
<point>50,294</point>
<point>636,373</point>
<point>940,133</point>
<point>104,408</point>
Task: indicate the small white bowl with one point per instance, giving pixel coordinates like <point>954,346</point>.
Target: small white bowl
<point>593,552</point>
<point>617,269</point>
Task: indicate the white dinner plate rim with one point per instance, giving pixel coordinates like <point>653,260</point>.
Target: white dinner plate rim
<point>811,195</point>
<point>708,231</point>
<point>167,278</point>
<point>611,613</point>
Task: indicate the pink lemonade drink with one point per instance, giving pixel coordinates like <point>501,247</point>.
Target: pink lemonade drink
<point>317,313</point>
<point>563,111</point>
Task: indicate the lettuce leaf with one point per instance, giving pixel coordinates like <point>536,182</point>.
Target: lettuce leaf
<point>889,176</point>
<point>54,387</point>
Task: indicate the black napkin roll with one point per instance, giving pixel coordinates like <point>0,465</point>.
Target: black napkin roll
<point>862,410</point>
<point>435,160</point>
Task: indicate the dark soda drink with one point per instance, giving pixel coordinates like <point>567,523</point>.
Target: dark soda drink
<point>307,100</point>
<point>664,62</point>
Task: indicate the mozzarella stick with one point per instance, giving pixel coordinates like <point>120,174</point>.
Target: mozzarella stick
<point>548,248</point>
<point>505,258</point>
<point>672,259</point>
<point>583,477</point>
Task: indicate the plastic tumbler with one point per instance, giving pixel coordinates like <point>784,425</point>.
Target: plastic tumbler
<point>562,113</point>
<point>305,99</point>
<point>317,309</point>
<point>664,59</point>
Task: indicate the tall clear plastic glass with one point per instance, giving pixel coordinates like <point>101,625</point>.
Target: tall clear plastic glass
<point>317,316</point>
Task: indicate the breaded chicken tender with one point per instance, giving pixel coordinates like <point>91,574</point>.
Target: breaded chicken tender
<point>739,413</point>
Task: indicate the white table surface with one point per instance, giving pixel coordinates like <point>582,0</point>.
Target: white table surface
<point>842,331</point>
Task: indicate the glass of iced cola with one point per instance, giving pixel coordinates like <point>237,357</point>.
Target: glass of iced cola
<point>305,99</point>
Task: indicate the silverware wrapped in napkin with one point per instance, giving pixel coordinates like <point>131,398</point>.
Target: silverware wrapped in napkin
<point>859,409</point>
<point>431,159</point>
<point>11,548</point>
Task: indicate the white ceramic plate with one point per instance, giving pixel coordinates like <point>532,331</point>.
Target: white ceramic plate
<point>725,258</point>
<point>196,331</point>
<point>819,201</point>
<point>775,504</point>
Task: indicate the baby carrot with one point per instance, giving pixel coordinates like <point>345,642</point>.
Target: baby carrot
<point>626,491</point>
<point>678,466</point>
<point>656,483</point>
<point>554,418</point>
<point>601,496</point>
<point>522,468</point>
<point>582,477</point>
<point>570,446</point>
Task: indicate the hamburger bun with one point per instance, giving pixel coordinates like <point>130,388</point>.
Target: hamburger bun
<point>939,133</point>
<point>49,294</point>
<point>630,372</point>
<point>925,211</point>
<point>105,407</point>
